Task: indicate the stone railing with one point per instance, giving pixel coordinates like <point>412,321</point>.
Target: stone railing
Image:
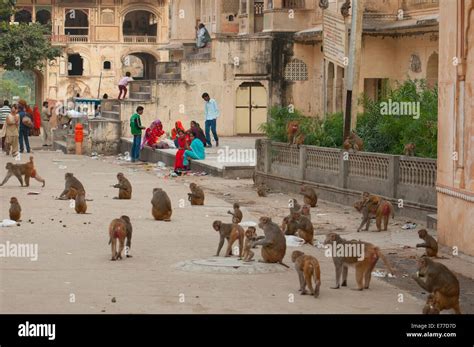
<point>393,176</point>
<point>64,39</point>
<point>139,39</point>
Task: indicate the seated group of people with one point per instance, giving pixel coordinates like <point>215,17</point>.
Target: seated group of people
<point>190,143</point>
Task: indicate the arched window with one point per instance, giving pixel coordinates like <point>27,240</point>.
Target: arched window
<point>43,17</point>
<point>23,16</point>
<point>296,70</point>
<point>107,65</point>
<point>432,70</point>
<point>76,22</point>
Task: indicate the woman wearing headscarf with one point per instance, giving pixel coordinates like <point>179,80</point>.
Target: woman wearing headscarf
<point>198,132</point>
<point>174,132</point>
<point>154,136</point>
<point>35,131</point>
<point>183,144</point>
<point>196,151</point>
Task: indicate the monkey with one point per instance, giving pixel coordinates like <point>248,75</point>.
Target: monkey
<point>250,235</point>
<point>124,186</point>
<point>292,129</point>
<point>367,215</point>
<point>307,266</point>
<point>364,263</point>
<point>439,281</point>
<point>197,195</point>
<point>274,243</point>
<point>294,206</point>
<point>129,227</point>
<point>289,226</point>
<point>15,209</point>
<point>310,197</point>
<point>262,190</point>
<point>18,170</point>
<point>306,211</point>
<point>161,203</point>
<point>430,243</point>
<point>304,227</point>
<point>117,230</point>
<point>237,214</point>
<point>299,139</point>
<point>382,208</point>
<point>409,149</point>
<point>80,204</point>
<point>71,182</point>
<point>353,142</point>
<point>231,233</point>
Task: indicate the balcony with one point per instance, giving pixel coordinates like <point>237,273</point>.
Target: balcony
<point>62,40</point>
<point>140,39</point>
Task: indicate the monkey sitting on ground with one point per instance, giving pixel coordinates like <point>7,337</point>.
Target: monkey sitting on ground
<point>430,243</point>
<point>15,209</point>
<point>364,263</point>
<point>161,205</point>
<point>274,243</point>
<point>18,170</point>
<point>289,226</point>
<point>304,227</point>
<point>231,233</point>
<point>71,182</point>
<point>306,211</point>
<point>117,231</point>
<point>383,210</point>
<point>197,195</point>
<point>310,196</point>
<point>443,285</point>
<point>80,204</point>
<point>124,186</point>
<point>409,149</point>
<point>353,141</point>
<point>262,190</point>
<point>306,266</point>
<point>250,236</point>
<point>237,214</point>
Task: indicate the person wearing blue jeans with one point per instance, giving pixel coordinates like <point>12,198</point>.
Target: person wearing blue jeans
<point>136,129</point>
<point>24,131</point>
<point>211,111</point>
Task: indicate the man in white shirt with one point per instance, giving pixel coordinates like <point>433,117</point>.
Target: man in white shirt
<point>123,85</point>
<point>211,111</point>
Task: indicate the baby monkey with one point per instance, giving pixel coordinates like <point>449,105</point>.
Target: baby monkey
<point>250,236</point>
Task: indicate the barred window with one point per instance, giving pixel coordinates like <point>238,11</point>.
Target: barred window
<point>296,70</point>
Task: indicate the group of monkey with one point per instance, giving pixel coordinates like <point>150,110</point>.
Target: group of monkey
<point>433,277</point>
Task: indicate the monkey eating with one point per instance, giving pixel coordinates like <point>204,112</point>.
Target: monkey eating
<point>19,170</point>
<point>71,182</point>
<point>304,227</point>
<point>274,243</point>
<point>231,233</point>
<point>430,244</point>
<point>124,186</point>
<point>409,149</point>
<point>307,266</point>
<point>441,283</point>
<point>237,214</point>
<point>80,204</point>
<point>250,236</point>
<point>197,195</point>
<point>117,231</point>
<point>310,196</point>
<point>161,205</point>
<point>362,255</point>
<point>15,209</point>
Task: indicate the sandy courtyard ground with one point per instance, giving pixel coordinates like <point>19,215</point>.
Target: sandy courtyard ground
<point>74,274</point>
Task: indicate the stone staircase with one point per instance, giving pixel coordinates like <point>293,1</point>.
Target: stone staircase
<point>199,53</point>
<point>114,113</point>
<point>143,93</point>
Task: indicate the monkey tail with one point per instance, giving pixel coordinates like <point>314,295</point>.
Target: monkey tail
<point>317,272</point>
<point>282,263</point>
<point>385,261</point>
<point>110,240</point>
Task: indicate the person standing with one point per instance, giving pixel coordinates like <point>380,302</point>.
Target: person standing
<point>123,85</point>
<point>211,111</point>
<point>45,118</point>
<point>26,123</point>
<point>136,129</point>
<point>4,112</point>
<point>12,123</point>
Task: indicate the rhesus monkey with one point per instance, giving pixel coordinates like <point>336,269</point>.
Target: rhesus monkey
<point>237,214</point>
<point>80,204</point>
<point>197,195</point>
<point>231,233</point>
<point>353,141</point>
<point>250,236</point>
<point>124,186</point>
<point>367,215</point>
<point>161,205</point>
<point>15,209</point>
<point>304,227</point>
<point>364,263</point>
<point>117,231</point>
<point>128,224</point>
<point>274,243</point>
<point>292,129</point>
<point>306,211</point>
<point>289,226</point>
<point>409,149</point>
<point>71,182</point>
<point>443,285</point>
<point>307,266</point>
<point>430,243</point>
<point>262,190</point>
<point>18,170</point>
<point>310,196</point>
<point>383,210</point>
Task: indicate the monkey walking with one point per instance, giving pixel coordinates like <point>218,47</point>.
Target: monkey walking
<point>231,233</point>
<point>19,170</point>
<point>441,283</point>
<point>15,209</point>
<point>382,208</point>
<point>124,186</point>
<point>364,263</point>
<point>274,243</point>
<point>117,232</point>
<point>307,266</point>
<point>129,231</point>
<point>237,214</point>
<point>196,197</point>
<point>250,236</point>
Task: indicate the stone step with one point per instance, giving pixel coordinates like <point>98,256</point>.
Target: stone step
<point>116,108</point>
<point>140,95</point>
<point>145,89</point>
<point>111,115</point>
<point>169,76</point>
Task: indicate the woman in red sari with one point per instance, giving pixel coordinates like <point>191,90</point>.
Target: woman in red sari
<point>174,132</point>
<point>183,144</point>
<point>153,135</point>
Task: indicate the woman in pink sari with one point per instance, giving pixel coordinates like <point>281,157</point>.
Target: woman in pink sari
<point>153,136</point>
<point>183,145</point>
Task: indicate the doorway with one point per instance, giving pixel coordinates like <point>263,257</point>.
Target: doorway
<point>251,108</point>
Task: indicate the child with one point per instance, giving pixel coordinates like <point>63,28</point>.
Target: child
<point>123,85</point>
